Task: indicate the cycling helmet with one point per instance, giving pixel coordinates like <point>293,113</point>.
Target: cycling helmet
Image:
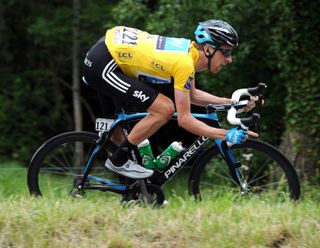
<point>216,33</point>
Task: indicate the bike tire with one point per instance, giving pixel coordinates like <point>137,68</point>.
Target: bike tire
<point>55,163</point>
<point>265,168</point>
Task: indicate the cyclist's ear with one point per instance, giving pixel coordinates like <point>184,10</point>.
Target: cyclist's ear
<point>207,49</point>
<point>211,51</point>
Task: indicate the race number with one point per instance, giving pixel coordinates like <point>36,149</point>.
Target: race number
<point>130,36</point>
<point>103,124</point>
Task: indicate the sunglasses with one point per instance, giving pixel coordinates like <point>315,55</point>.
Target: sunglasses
<point>225,52</point>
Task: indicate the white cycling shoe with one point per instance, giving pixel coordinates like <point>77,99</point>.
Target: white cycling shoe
<point>129,169</point>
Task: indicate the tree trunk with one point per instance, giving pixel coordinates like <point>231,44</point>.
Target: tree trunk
<point>77,111</point>
<point>303,152</point>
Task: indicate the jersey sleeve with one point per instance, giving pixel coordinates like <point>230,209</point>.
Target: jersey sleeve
<point>184,76</point>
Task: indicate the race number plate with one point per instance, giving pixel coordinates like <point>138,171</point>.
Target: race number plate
<point>103,124</point>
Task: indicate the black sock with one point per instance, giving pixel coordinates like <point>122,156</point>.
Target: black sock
<point>121,155</point>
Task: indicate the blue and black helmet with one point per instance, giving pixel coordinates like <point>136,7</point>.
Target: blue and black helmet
<point>216,33</point>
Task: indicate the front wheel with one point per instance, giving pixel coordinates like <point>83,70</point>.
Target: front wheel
<point>264,169</point>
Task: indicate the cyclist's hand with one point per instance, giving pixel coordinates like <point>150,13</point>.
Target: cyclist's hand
<point>251,103</point>
<point>236,136</point>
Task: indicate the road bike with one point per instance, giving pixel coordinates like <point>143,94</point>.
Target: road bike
<point>72,163</point>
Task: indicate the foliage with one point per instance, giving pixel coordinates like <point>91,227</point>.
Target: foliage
<point>23,128</point>
<point>28,92</point>
<point>295,38</point>
<point>299,62</point>
<point>278,42</point>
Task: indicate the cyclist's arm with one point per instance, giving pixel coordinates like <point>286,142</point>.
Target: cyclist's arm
<point>202,98</point>
<point>191,124</point>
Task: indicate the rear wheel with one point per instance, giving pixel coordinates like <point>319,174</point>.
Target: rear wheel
<point>266,172</point>
<point>58,164</point>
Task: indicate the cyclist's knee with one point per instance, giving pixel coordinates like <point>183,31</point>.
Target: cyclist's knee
<point>167,109</point>
<point>163,107</point>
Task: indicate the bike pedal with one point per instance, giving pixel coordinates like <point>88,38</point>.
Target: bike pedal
<point>78,194</point>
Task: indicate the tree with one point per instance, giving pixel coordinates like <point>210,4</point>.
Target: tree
<point>30,104</point>
<point>77,110</point>
<point>295,40</point>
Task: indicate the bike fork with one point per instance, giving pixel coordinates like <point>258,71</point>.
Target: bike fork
<point>234,165</point>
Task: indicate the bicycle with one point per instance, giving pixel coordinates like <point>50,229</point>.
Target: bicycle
<point>76,160</point>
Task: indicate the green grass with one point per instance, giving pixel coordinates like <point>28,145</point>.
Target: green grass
<point>101,221</point>
<point>13,180</point>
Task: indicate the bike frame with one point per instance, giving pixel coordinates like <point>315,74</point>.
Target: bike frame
<point>159,177</point>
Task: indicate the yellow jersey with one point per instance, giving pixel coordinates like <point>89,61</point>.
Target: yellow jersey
<point>155,59</point>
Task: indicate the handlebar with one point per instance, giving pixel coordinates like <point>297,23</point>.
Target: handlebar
<point>238,104</point>
<point>235,98</point>
<point>254,91</point>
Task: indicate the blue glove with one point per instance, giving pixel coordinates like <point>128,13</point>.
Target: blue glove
<point>235,136</point>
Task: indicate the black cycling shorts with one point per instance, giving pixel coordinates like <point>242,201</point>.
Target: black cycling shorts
<point>103,74</point>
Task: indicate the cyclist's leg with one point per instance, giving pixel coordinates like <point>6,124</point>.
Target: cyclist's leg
<point>160,112</point>
<point>160,109</point>
<point>109,108</point>
<point>107,105</point>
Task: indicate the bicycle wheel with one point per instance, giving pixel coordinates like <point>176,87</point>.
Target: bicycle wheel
<point>265,172</point>
<point>59,162</point>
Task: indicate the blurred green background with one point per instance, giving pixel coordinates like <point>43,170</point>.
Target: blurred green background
<point>43,44</point>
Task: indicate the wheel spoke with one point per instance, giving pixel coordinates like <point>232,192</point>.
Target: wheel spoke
<point>263,176</point>
<point>261,169</point>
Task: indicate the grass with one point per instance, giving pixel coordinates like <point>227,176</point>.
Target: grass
<point>101,221</point>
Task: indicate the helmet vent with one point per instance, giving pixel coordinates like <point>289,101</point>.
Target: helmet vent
<point>217,32</point>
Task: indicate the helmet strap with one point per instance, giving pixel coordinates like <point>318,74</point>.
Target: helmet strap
<point>209,57</point>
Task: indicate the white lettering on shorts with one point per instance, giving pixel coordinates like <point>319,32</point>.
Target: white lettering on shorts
<point>140,95</point>
<point>87,62</point>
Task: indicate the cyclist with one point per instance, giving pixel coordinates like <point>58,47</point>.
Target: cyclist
<point>127,62</point>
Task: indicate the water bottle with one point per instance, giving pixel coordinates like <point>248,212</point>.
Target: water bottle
<point>146,154</point>
<point>169,154</point>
